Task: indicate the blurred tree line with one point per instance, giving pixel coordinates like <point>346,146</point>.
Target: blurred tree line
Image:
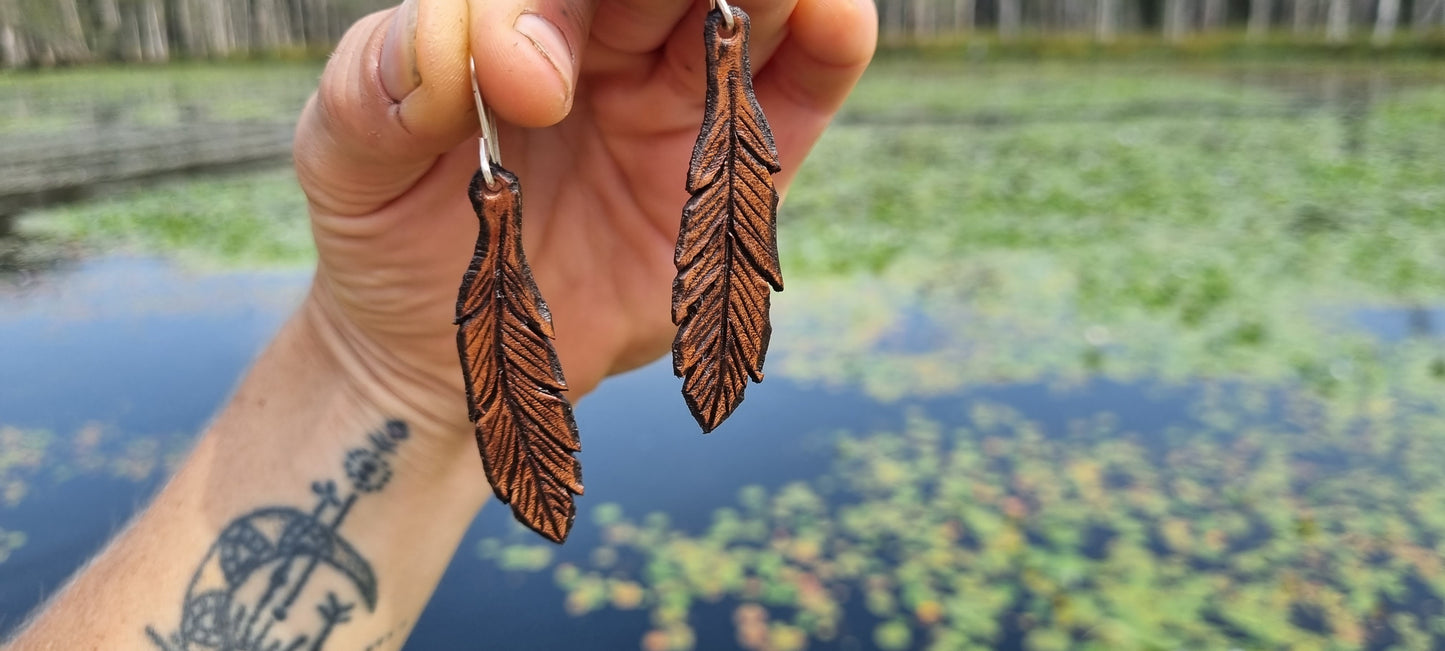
<point>1334,21</point>
<point>50,32</point>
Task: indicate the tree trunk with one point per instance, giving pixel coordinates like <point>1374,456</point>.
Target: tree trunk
<point>111,36</point>
<point>1106,24</point>
<point>1386,17</point>
<point>1303,16</point>
<point>13,53</point>
<point>963,15</point>
<point>74,45</point>
<point>1214,17</point>
<point>107,14</point>
<point>156,45</point>
<point>891,13</point>
<point>1259,14</point>
<point>1427,14</point>
<point>218,27</point>
<point>238,24</point>
<point>183,26</point>
<point>12,47</point>
<point>281,19</point>
<point>128,44</point>
<point>1176,12</point>
<point>922,18</point>
<point>1361,12</point>
<point>1075,15</point>
<point>298,22</point>
<point>1010,15</point>
<point>317,29</point>
<point>263,25</point>
<point>1337,23</point>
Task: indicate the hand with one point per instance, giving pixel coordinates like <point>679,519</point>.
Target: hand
<point>600,104</point>
<point>385,151</point>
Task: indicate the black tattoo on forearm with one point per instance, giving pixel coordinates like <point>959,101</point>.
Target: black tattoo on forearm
<point>263,563</point>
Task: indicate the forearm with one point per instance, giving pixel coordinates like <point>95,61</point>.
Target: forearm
<point>309,509</point>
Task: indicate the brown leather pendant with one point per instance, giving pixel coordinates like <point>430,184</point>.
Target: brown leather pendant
<point>727,248</point>
<point>524,424</point>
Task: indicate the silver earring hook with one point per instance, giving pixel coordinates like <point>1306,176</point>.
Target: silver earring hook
<point>727,12</point>
<point>491,152</point>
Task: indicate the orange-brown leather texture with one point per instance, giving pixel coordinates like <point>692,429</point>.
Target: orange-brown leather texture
<point>524,425</point>
<point>727,248</point>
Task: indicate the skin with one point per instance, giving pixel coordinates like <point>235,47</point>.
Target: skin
<point>598,121</point>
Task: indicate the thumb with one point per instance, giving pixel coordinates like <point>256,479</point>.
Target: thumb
<point>396,93</point>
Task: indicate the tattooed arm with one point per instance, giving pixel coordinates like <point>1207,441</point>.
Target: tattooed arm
<point>322,505</point>
<point>313,514</point>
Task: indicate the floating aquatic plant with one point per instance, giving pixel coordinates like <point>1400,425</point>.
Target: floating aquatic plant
<point>31,459</point>
<point>1265,534</point>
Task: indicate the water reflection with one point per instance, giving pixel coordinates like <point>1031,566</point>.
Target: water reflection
<point>139,345</point>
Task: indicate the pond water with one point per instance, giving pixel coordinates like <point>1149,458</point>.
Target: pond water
<point>1098,373</point>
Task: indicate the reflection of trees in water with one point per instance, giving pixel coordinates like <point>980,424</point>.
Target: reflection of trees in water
<point>1348,92</point>
<point>1351,97</point>
<point>22,256</point>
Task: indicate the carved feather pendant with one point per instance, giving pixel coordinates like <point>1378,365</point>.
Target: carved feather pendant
<point>727,248</point>
<point>524,424</point>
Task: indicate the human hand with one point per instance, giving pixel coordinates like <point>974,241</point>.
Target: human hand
<point>599,103</point>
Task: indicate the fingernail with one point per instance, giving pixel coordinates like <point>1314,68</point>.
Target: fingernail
<point>399,74</point>
<point>551,43</point>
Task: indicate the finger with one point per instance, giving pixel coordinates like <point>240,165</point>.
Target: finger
<point>637,26</point>
<point>526,54</point>
<point>684,62</point>
<point>396,93</point>
<point>829,45</point>
<point>394,96</point>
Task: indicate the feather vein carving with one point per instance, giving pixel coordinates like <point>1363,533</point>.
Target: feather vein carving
<point>727,248</point>
<point>524,425</point>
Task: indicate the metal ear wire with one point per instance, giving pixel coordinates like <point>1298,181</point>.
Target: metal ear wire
<point>526,433</point>
<point>491,152</point>
<point>727,12</point>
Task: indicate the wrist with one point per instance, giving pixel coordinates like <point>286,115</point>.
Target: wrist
<point>389,381</point>
<point>310,397</point>
<point>299,415</point>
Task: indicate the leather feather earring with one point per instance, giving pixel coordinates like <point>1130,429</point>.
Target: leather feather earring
<point>727,247</point>
<point>524,426</point>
